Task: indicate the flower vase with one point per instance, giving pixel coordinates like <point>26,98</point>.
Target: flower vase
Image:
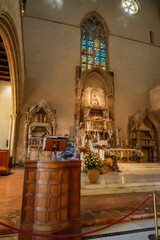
<point>93,175</point>
<point>140,160</point>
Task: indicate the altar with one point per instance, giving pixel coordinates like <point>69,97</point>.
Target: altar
<point>133,178</point>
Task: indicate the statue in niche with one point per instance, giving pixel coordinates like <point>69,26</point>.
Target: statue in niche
<point>45,118</point>
<point>95,101</point>
<point>36,118</point>
<point>40,118</point>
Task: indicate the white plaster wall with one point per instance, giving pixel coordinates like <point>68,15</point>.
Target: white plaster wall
<point>6,110</point>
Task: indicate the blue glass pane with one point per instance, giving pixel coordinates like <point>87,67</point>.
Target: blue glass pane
<point>96,50</point>
<point>103,53</point>
<point>89,21</point>
<point>103,44</point>
<point>84,45</point>
<point>98,23</point>
<point>103,62</point>
<point>84,41</point>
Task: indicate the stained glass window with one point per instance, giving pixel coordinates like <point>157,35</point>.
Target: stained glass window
<point>130,6</point>
<point>93,49</point>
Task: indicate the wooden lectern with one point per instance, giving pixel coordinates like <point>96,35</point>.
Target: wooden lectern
<point>54,144</point>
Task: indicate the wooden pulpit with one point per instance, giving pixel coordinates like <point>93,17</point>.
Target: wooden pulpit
<point>51,195</point>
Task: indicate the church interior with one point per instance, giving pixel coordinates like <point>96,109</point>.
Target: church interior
<point>103,104</point>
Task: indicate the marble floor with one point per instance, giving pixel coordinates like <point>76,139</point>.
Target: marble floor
<point>134,230</point>
<point>132,178</point>
<point>96,210</point>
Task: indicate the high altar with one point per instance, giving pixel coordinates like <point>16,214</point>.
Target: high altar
<point>94,106</point>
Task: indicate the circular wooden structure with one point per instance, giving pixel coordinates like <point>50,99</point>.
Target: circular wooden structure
<point>51,196</point>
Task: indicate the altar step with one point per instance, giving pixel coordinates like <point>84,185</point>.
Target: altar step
<point>101,189</point>
<point>134,177</point>
<point>138,166</point>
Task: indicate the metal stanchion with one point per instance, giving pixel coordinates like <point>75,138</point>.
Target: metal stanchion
<point>156,235</point>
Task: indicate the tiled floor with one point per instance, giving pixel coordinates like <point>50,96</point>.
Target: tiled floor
<point>11,198</point>
<point>95,210</point>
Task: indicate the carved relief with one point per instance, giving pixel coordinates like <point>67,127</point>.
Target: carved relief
<point>94,103</point>
<point>40,119</point>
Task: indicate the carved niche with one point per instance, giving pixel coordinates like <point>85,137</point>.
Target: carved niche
<point>40,120</point>
<point>144,133</point>
<point>94,104</point>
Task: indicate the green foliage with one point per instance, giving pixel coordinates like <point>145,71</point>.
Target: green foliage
<point>139,154</point>
<point>92,160</point>
<point>108,154</point>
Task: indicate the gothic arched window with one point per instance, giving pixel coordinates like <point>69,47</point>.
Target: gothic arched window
<point>93,48</point>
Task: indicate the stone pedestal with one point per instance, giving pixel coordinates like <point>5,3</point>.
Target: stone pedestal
<point>51,197</point>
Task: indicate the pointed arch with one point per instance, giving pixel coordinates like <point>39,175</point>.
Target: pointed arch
<point>8,32</point>
<point>94,39</point>
<point>10,38</point>
<point>95,13</point>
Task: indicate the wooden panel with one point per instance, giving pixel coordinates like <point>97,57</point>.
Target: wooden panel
<point>27,215</point>
<point>4,161</point>
<point>52,182</point>
<point>51,200</point>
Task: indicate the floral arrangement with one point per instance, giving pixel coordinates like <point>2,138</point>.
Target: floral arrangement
<point>69,152</point>
<point>139,154</point>
<point>111,161</point>
<point>98,146</point>
<point>114,165</point>
<point>108,154</point>
<point>92,160</point>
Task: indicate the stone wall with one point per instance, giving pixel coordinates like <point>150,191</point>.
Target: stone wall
<point>52,39</point>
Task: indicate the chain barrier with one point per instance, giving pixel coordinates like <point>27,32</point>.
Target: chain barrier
<point>76,234</point>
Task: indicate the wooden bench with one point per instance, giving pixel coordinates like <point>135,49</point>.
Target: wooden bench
<point>4,162</point>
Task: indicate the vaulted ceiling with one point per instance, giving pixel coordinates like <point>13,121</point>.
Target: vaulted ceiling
<point>4,67</point>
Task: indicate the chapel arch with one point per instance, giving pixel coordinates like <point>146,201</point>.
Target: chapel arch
<point>144,133</point>
<point>8,33</point>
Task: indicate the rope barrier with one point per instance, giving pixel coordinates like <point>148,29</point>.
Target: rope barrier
<point>77,234</point>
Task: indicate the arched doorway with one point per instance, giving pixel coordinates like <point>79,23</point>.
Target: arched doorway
<point>5,97</point>
<point>14,65</point>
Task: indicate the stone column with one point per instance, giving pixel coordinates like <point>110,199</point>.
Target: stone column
<point>13,135</point>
